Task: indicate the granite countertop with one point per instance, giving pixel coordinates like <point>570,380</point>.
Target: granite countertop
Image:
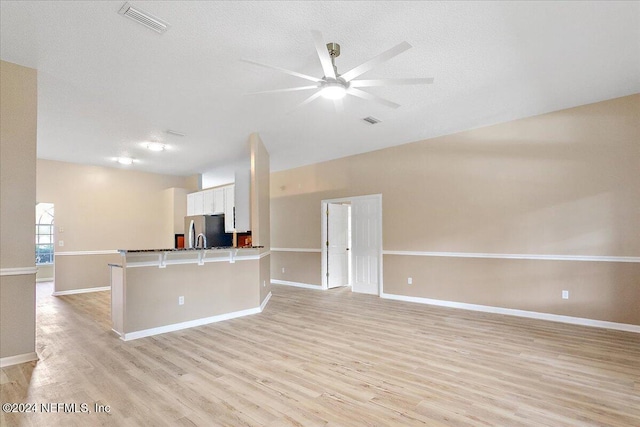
<point>214,248</point>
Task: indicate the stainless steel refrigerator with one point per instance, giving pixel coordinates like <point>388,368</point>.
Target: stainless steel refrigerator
<point>206,231</point>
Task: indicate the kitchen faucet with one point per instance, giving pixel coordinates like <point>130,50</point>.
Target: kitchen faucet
<point>204,241</point>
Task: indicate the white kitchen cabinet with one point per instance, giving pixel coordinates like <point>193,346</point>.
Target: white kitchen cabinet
<point>209,202</point>
<point>218,200</point>
<point>221,200</point>
<point>195,204</point>
<point>229,206</point>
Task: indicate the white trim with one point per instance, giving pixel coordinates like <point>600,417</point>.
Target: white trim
<point>296,250</point>
<point>264,254</point>
<point>520,313</point>
<point>81,291</point>
<point>164,262</point>
<point>518,256</point>
<point>296,284</point>
<point>264,303</point>
<point>18,359</point>
<point>107,252</point>
<point>44,279</point>
<point>18,271</point>
<point>190,324</point>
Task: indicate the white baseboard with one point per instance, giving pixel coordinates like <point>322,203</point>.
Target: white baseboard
<point>18,359</point>
<point>520,313</point>
<point>81,291</point>
<point>264,303</point>
<point>44,279</point>
<point>185,325</point>
<point>296,284</point>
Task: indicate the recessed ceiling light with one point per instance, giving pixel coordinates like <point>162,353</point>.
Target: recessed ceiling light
<point>155,146</point>
<point>124,160</point>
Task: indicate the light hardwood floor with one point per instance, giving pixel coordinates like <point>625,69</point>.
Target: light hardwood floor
<point>331,358</point>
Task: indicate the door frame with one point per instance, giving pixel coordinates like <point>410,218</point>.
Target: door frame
<point>323,236</point>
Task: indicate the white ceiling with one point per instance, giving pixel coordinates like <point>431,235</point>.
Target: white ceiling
<point>106,83</point>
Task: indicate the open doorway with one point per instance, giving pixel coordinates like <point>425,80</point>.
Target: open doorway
<point>352,243</point>
<point>338,243</point>
<point>45,242</point>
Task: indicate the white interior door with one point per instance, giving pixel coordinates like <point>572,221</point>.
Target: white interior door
<point>338,245</point>
<point>366,245</point>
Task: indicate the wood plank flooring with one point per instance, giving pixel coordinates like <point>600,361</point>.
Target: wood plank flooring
<point>331,358</point>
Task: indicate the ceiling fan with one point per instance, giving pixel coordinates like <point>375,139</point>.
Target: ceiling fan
<point>334,85</point>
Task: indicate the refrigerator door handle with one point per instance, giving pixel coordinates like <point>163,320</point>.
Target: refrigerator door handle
<point>192,233</point>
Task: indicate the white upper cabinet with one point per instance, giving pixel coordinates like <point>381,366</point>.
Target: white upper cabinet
<point>209,202</point>
<point>218,200</point>
<point>195,203</point>
<point>215,201</point>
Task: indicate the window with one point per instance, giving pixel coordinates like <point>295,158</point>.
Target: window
<point>44,233</point>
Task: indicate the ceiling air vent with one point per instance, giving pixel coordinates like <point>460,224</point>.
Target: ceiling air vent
<point>371,120</point>
<point>144,18</point>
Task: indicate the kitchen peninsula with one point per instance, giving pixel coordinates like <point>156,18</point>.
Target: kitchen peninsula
<point>155,291</point>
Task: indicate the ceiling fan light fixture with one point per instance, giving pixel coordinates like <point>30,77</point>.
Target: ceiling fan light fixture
<point>333,90</point>
<point>155,146</point>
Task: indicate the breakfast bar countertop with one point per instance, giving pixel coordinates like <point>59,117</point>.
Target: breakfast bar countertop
<point>213,248</point>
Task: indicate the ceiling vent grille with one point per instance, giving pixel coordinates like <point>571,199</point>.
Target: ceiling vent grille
<point>144,18</point>
<point>371,120</point>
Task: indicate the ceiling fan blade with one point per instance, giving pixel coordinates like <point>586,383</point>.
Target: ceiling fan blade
<point>323,54</point>
<point>384,56</point>
<point>289,89</point>
<point>339,105</point>
<point>293,73</point>
<point>390,82</point>
<point>370,97</point>
<point>305,102</point>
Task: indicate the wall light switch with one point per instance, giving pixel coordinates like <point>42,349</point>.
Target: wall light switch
<point>565,294</point>
<point>410,281</point>
<point>60,242</point>
<point>283,269</point>
<point>60,229</point>
<point>264,283</point>
<point>180,300</point>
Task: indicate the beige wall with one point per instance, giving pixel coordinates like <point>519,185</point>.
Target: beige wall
<point>102,209</point>
<point>73,272</point>
<point>18,124</point>
<point>213,289</point>
<point>299,267</point>
<point>261,208</point>
<point>260,190</point>
<point>176,201</point>
<point>45,273</point>
<point>564,183</point>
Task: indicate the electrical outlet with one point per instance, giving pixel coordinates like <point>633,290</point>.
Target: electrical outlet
<point>410,281</point>
<point>565,294</point>
<point>60,230</point>
<point>283,269</point>
<point>60,242</point>
<point>180,300</point>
